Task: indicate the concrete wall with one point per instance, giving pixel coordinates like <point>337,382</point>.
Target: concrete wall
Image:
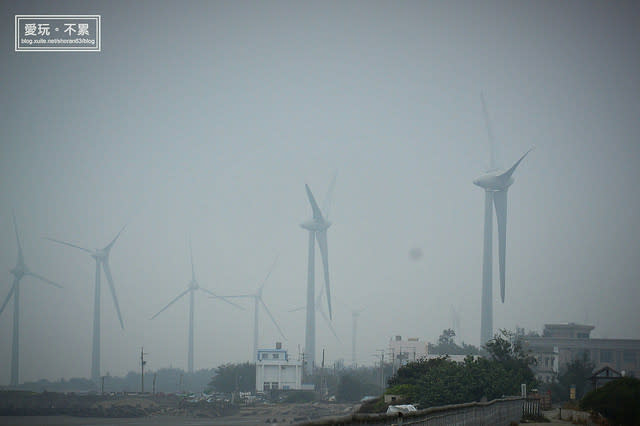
<point>499,412</point>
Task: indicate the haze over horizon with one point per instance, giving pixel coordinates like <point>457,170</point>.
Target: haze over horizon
<point>204,120</point>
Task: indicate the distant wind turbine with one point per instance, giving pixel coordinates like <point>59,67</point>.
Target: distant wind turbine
<point>101,257</point>
<point>193,286</point>
<point>495,182</point>
<point>19,271</point>
<point>317,228</point>
<point>257,301</point>
<point>355,313</point>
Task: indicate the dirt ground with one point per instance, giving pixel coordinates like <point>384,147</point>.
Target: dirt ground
<point>271,414</point>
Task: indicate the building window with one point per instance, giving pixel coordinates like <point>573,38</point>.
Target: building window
<point>606,356</point>
<point>583,335</point>
<point>275,356</point>
<point>629,357</point>
<point>274,385</point>
<point>266,386</point>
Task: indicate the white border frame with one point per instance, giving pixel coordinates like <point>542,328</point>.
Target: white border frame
<point>98,47</point>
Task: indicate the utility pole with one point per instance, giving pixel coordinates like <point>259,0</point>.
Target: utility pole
<point>323,391</point>
<point>381,369</point>
<point>102,387</point>
<point>142,363</point>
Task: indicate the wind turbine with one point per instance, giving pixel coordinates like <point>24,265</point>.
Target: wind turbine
<point>193,286</point>
<point>355,313</point>
<point>101,257</point>
<point>495,182</point>
<point>257,301</point>
<point>317,228</point>
<point>19,271</point>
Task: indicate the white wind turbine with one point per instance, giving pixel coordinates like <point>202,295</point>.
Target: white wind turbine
<point>257,301</point>
<point>101,256</point>
<point>317,228</point>
<point>495,182</point>
<point>19,271</point>
<point>193,286</point>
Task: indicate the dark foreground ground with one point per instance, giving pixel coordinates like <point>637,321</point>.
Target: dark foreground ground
<point>272,414</point>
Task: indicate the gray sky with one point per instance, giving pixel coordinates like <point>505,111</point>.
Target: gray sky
<point>207,119</point>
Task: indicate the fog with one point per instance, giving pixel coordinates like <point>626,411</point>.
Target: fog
<point>204,120</point>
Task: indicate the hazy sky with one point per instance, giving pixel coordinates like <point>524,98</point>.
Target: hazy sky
<point>207,119</point>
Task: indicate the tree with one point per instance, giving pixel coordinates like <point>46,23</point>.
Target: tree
<point>447,346</point>
<point>446,338</point>
<point>441,381</point>
<point>234,377</point>
<point>577,373</point>
<point>617,401</point>
<point>351,387</point>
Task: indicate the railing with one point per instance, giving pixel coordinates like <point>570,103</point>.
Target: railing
<point>502,411</point>
<point>531,407</point>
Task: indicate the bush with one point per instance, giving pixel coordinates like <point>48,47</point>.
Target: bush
<point>617,401</point>
<point>300,396</point>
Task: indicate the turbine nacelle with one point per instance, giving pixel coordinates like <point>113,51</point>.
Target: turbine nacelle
<point>494,181</point>
<point>19,271</point>
<point>316,225</point>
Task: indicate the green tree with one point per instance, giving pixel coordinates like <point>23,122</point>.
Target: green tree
<point>617,401</point>
<point>352,387</point>
<point>440,381</point>
<point>231,377</point>
<point>447,346</point>
<point>577,373</point>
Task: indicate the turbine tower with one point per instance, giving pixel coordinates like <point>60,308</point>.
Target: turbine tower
<point>317,228</point>
<point>19,272</point>
<point>257,301</point>
<point>193,286</point>
<point>354,328</point>
<point>101,256</point>
<point>495,182</point>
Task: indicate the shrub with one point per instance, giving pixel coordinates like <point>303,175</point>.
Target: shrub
<point>617,401</point>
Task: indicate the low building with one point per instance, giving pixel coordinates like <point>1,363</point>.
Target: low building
<point>275,371</point>
<point>562,343</point>
<point>402,351</point>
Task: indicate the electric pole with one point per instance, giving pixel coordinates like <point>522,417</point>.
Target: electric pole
<point>142,363</point>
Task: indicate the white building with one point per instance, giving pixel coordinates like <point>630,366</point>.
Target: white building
<point>403,351</point>
<point>274,370</point>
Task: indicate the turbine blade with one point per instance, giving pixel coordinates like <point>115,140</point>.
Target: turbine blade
<point>500,202</point>
<point>108,247</point>
<point>107,271</point>
<point>273,265</point>
<point>493,160</point>
<point>321,236</point>
<point>508,173</point>
<point>333,331</point>
<point>171,303</point>
<point>193,270</point>
<point>317,214</point>
<point>13,287</point>
<point>41,278</point>
<point>69,244</point>
<point>220,297</point>
<point>272,318</point>
<point>236,296</point>
<point>329,198</point>
<point>15,227</point>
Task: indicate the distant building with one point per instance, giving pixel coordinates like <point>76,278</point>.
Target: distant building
<point>562,343</point>
<point>275,371</point>
<point>403,351</point>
